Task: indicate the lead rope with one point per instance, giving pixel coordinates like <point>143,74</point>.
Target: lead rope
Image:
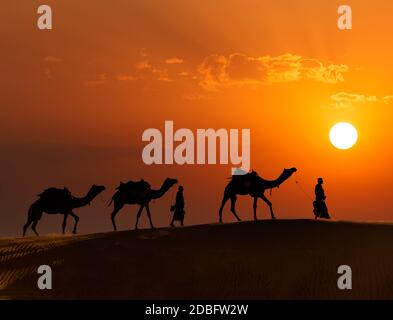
<point>103,199</point>
<point>302,190</point>
<point>170,205</point>
<point>173,193</point>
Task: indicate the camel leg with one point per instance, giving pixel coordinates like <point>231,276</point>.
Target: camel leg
<point>36,217</point>
<point>173,221</point>
<point>149,215</point>
<point>138,215</point>
<point>34,226</point>
<point>76,218</point>
<point>64,224</point>
<point>34,213</point>
<point>116,209</point>
<point>255,208</point>
<point>224,201</point>
<point>263,197</point>
<point>113,216</point>
<point>28,223</point>
<point>233,202</point>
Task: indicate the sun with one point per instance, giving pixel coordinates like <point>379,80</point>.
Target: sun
<point>343,135</point>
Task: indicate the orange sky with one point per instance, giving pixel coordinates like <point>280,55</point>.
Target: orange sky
<point>75,101</point>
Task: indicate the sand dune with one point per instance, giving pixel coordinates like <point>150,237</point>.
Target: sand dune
<point>283,259</point>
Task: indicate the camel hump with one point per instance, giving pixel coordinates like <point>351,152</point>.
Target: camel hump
<point>247,176</point>
<point>140,185</point>
<point>56,193</point>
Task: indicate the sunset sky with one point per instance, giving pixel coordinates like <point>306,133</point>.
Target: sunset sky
<point>75,100</point>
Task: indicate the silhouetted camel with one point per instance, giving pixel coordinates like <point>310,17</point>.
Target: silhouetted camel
<point>138,193</point>
<point>59,201</point>
<point>253,185</point>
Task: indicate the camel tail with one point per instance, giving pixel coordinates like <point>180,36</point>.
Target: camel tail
<point>110,202</point>
<point>113,198</point>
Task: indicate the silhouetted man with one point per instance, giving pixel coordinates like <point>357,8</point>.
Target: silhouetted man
<point>320,208</point>
<point>178,207</point>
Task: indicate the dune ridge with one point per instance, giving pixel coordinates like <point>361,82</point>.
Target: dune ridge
<point>282,259</point>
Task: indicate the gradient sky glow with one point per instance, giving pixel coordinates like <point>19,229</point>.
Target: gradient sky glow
<point>75,100</point>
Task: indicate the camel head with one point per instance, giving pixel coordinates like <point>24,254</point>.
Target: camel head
<point>287,173</point>
<point>95,190</point>
<point>91,194</point>
<point>169,182</point>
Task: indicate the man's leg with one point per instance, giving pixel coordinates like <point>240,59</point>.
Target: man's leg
<point>173,220</point>
<point>324,211</point>
<point>317,210</point>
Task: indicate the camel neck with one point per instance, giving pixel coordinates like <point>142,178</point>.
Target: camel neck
<point>81,202</point>
<point>155,194</point>
<point>275,183</point>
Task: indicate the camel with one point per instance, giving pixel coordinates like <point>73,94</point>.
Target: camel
<point>138,193</point>
<point>253,185</point>
<point>59,201</point>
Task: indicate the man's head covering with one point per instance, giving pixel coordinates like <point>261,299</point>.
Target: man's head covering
<point>320,180</point>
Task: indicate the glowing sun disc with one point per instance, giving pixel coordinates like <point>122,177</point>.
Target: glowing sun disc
<point>343,135</point>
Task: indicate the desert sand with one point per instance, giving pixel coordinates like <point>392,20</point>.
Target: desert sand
<point>282,259</point>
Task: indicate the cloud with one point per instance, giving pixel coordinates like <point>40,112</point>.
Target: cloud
<point>162,75</point>
<point>387,99</point>
<point>143,65</point>
<point>194,96</point>
<point>155,71</point>
<point>125,77</point>
<point>237,69</point>
<point>48,73</point>
<point>315,70</point>
<point>51,59</point>
<point>49,62</point>
<point>143,52</point>
<point>174,61</point>
<point>342,100</point>
<point>98,80</point>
